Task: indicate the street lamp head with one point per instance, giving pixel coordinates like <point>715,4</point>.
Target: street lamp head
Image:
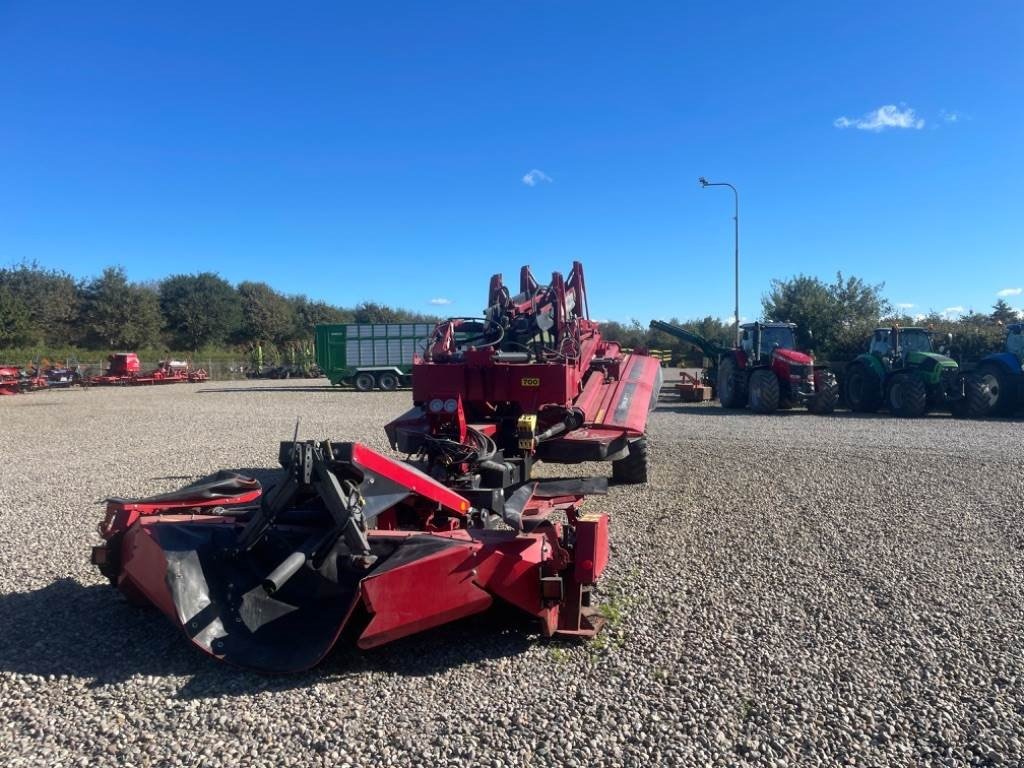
<point>703,182</point>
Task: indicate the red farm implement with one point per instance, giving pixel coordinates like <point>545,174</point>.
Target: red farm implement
<point>350,540</point>
<point>15,380</point>
<point>124,369</point>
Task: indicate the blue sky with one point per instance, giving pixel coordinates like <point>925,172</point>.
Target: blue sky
<point>378,151</point>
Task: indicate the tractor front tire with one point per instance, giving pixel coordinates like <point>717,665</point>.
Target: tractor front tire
<point>863,389</point>
<point>387,381</point>
<point>1000,389</point>
<point>764,391</point>
<point>632,469</point>
<point>826,393</point>
<point>978,398</point>
<point>732,384</point>
<point>364,382</point>
<point>908,396</point>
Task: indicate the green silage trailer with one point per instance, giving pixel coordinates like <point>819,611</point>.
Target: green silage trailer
<point>370,355</point>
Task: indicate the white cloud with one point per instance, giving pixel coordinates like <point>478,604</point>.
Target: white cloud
<point>536,176</point>
<point>905,306</point>
<point>440,302</point>
<point>919,317</point>
<point>1009,292</point>
<point>952,311</point>
<point>887,116</point>
<point>951,115</point>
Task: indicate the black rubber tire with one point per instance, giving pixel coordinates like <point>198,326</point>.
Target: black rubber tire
<point>387,381</point>
<point>764,391</point>
<point>1002,389</point>
<point>977,401</point>
<point>633,468</point>
<point>826,393</point>
<point>364,382</point>
<point>863,389</point>
<point>732,384</point>
<point>908,396</point>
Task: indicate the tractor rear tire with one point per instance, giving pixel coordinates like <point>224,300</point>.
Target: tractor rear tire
<point>364,382</point>
<point>387,381</point>
<point>863,389</point>
<point>633,468</point>
<point>826,393</point>
<point>764,391</point>
<point>732,384</point>
<point>978,399</point>
<point>908,396</point>
<point>1001,389</point>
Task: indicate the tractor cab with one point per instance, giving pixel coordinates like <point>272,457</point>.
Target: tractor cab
<point>895,343</point>
<point>1015,340</point>
<point>759,340</point>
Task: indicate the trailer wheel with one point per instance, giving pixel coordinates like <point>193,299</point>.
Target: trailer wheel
<point>731,384</point>
<point>908,396</point>
<point>862,389</point>
<point>764,391</point>
<point>387,381</point>
<point>633,468</point>
<point>364,382</point>
<point>826,393</point>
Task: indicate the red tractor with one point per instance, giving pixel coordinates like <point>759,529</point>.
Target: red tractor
<point>351,540</point>
<point>767,372</point>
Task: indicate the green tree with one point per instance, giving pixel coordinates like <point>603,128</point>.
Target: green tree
<point>266,314</point>
<point>309,314</point>
<point>116,313</point>
<point>1003,313</point>
<point>833,319</point>
<point>51,298</point>
<point>15,320</point>
<point>199,309</point>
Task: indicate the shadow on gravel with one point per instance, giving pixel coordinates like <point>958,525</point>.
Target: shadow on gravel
<point>92,632</point>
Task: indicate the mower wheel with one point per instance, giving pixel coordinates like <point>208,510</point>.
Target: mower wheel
<point>826,393</point>
<point>1000,389</point>
<point>908,396</point>
<point>732,384</point>
<point>978,398</point>
<point>387,381</point>
<point>863,389</point>
<point>633,468</point>
<point>364,382</point>
<point>764,391</point>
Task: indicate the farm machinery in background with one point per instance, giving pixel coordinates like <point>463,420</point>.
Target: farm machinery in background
<point>997,388</point>
<point>15,380</point>
<point>350,540</point>
<point>766,372</point>
<point>902,372</point>
<point>124,369</point>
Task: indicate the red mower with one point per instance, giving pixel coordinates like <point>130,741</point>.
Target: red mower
<point>352,541</point>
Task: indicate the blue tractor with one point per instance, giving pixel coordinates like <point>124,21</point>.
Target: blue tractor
<point>1001,377</point>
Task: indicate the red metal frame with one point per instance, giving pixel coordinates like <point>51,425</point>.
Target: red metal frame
<point>449,584</point>
<point>124,369</point>
<point>601,394</point>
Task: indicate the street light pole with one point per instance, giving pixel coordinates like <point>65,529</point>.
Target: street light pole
<point>736,220</point>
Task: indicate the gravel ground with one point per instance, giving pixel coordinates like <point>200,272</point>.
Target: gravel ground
<point>787,590</point>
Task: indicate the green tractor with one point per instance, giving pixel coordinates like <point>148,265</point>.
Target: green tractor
<point>900,371</point>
